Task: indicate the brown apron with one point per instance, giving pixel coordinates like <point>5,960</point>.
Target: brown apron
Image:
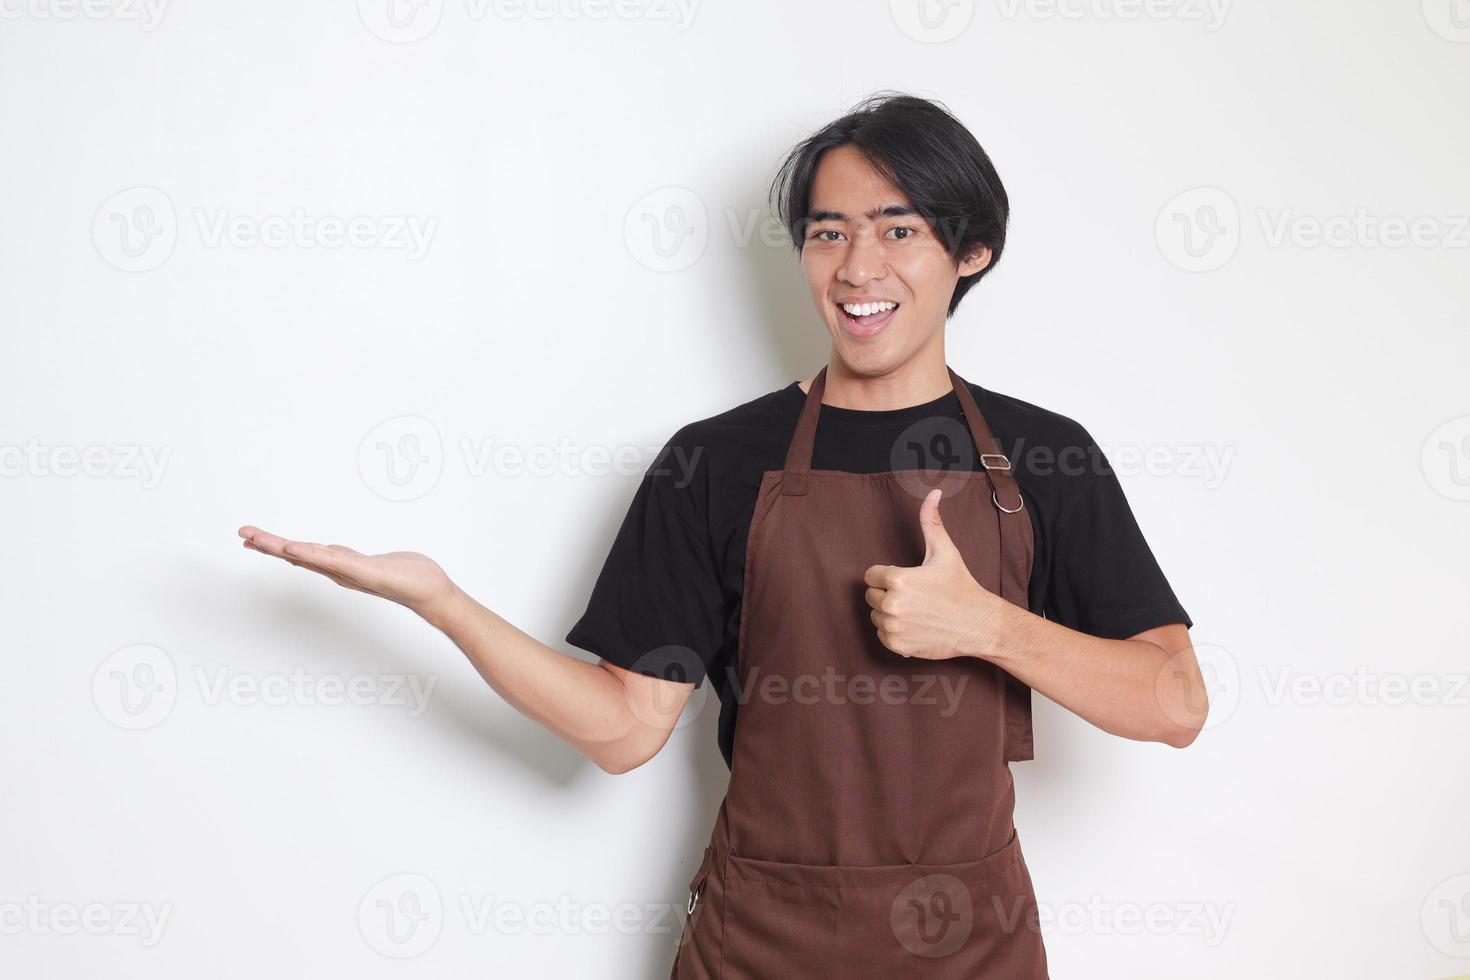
<point>867,829</point>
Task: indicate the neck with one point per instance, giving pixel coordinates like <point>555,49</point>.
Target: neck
<point>912,383</point>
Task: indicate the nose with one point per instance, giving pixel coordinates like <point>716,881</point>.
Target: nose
<point>864,260</point>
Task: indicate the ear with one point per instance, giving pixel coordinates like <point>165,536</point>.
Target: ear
<point>976,261</point>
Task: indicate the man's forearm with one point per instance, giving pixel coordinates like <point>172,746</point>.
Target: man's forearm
<point>1133,688</point>
<point>581,702</point>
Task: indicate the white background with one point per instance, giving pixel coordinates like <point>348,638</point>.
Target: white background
<point>1316,828</point>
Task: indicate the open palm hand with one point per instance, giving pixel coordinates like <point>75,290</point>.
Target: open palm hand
<point>406,577</point>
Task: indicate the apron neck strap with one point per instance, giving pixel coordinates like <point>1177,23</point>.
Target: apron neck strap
<point>799,452</point>
<point>996,466</point>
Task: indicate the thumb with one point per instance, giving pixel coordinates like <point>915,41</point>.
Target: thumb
<point>937,542</point>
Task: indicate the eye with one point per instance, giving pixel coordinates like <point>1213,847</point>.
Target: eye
<point>908,232</point>
<point>817,236</point>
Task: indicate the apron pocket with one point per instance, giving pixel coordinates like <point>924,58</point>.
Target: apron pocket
<point>892,921</point>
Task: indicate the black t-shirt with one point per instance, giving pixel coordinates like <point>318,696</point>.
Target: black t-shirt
<point>667,601</point>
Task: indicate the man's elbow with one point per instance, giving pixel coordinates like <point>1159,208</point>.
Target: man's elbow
<point>1183,706</point>
<point>615,760</point>
<point>618,765</point>
<point>1180,736</point>
<point>1184,725</point>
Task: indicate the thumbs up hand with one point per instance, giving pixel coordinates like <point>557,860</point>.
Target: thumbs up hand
<point>935,610</point>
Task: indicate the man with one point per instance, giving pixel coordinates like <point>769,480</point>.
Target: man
<point>873,567</point>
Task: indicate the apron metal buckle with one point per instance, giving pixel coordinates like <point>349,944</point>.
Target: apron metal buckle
<point>701,875</point>
<point>1004,466</point>
<point>694,898</point>
<point>1020,502</point>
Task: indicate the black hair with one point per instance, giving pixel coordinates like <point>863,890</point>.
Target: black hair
<point>922,149</point>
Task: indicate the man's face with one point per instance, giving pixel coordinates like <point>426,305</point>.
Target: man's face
<point>864,244</point>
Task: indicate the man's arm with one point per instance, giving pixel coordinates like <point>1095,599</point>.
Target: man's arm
<point>1146,687</point>
<point>617,718</point>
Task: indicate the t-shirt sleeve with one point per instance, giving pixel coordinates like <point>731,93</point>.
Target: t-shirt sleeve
<point>1105,580</point>
<point>657,607</point>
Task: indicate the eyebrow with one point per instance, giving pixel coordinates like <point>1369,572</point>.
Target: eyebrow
<point>887,211</point>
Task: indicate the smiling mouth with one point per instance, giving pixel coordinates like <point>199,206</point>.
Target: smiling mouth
<point>867,324</point>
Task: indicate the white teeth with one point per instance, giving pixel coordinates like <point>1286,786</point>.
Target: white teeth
<point>867,309</point>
